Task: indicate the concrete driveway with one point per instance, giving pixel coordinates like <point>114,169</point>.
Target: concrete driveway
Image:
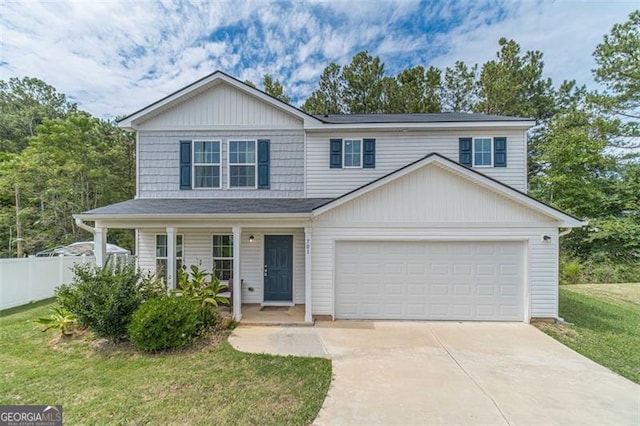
<point>451,373</point>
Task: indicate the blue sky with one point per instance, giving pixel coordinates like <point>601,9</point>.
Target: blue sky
<point>113,57</point>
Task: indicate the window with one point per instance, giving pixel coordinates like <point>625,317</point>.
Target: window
<point>482,152</point>
<point>162,251</point>
<point>242,164</point>
<point>352,153</point>
<point>206,164</point>
<point>223,256</point>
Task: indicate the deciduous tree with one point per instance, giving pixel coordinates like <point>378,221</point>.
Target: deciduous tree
<point>24,104</point>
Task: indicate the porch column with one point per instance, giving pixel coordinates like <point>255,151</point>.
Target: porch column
<point>171,257</point>
<point>100,245</point>
<point>237,280</point>
<point>307,275</point>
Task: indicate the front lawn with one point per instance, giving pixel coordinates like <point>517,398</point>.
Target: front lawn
<point>212,384</point>
<point>606,328</point>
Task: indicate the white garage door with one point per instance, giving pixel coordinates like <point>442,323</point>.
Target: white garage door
<point>429,280</point>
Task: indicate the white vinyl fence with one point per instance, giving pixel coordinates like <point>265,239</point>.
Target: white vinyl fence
<point>34,278</point>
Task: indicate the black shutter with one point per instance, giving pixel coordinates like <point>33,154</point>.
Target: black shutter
<point>465,151</point>
<point>335,153</point>
<point>263,163</point>
<point>185,164</point>
<point>369,154</point>
<point>500,152</point>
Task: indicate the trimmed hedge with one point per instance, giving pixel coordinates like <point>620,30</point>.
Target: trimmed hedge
<point>170,322</point>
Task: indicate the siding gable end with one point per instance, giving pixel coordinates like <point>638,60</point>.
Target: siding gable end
<point>219,106</point>
<point>436,194</point>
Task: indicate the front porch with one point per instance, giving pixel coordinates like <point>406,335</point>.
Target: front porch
<point>272,260</point>
<point>255,314</point>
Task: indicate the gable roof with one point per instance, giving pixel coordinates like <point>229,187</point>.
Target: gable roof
<point>522,198</point>
<point>199,86</point>
<point>438,117</point>
<point>326,121</point>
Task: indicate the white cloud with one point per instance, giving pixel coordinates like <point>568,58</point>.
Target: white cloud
<point>114,57</point>
<point>565,32</point>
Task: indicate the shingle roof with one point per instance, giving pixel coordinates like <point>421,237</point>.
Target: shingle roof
<point>164,206</point>
<point>440,117</point>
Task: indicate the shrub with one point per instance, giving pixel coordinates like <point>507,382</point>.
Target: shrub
<point>104,299</point>
<point>598,270</point>
<point>570,271</point>
<point>61,319</point>
<point>208,318</point>
<point>611,271</point>
<point>201,287</point>
<point>165,323</point>
<point>152,286</point>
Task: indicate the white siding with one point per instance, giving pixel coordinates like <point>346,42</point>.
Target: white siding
<point>432,194</point>
<point>394,150</point>
<point>542,258</point>
<point>159,160</point>
<point>435,204</point>
<point>219,106</point>
<point>198,251</point>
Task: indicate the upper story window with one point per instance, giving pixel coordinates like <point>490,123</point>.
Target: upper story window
<point>482,152</point>
<point>242,164</point>
<point>206,164</point>
<point>248,164</point>
<point>352,153</point>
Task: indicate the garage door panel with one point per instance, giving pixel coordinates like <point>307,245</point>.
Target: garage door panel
<point>462,269</point>
<point>393,309</point>
<point>415,268</point>
<point>395,269</point>
<point>429,280</point>
<point>486,290</point>
<point>440,269</point>
<point>416,289</point>
<point>509,270</point>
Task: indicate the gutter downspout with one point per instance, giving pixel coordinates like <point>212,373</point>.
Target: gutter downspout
<point>80,224</point>
<point>99,241</point>
<point>562,234</point>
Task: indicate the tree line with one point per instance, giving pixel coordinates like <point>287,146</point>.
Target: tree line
<point>56,160</point>
<point>583,152</point>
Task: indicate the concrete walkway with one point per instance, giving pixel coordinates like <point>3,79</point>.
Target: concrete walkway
<point>451,373</point>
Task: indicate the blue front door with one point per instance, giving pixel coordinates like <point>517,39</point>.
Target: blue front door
<point>278,268</point>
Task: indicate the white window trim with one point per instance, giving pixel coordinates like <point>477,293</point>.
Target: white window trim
<point>344,153</point>
<point>214,258</point>
<point>155,252</point>
<point>473,151</point>
<point>254,164</point>
<point>194,164</point>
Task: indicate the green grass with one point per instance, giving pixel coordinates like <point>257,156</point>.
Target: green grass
<point>210,384</point>
<point>606,328</point>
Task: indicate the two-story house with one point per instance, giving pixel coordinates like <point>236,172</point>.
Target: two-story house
<point>373,216</point>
